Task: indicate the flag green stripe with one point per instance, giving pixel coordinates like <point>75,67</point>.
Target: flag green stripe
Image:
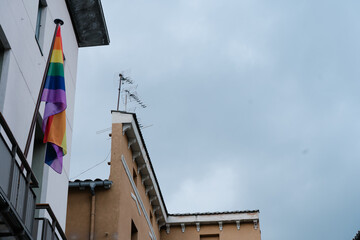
<point>56,69</point>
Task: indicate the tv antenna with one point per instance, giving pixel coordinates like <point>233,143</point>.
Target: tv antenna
<point>130,92</point>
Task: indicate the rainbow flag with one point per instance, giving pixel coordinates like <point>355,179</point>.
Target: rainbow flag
<point>54,123</point>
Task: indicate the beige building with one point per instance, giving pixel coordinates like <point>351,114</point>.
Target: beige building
<point>130,205</point>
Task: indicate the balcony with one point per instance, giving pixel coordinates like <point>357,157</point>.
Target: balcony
<point>44,228</point>
<point>17,199</point>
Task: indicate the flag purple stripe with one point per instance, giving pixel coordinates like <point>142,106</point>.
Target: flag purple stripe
<point>54,96</point>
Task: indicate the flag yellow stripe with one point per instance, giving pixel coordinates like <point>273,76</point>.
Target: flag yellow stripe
<point>63,144</point>
<point>57,56</point>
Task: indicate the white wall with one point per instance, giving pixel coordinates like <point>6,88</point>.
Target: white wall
<point>23,71</point>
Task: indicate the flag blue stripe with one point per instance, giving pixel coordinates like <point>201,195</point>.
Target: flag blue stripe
<point>55,82</point>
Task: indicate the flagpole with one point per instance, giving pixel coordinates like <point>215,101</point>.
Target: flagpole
<point>58,22</point>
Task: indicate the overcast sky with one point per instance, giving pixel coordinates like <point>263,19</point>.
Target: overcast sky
<point>252,104</point>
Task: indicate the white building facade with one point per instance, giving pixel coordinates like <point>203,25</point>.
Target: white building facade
<point>26,32</point>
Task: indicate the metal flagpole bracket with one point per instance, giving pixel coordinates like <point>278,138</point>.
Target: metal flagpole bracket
<point>58,21</point>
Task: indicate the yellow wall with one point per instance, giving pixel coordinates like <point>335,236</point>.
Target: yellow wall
<point>115,208</point>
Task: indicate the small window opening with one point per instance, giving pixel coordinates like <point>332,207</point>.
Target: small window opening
<point>135,177</point>
<point>151,218</point>
<point>209,237</point>
<point>134,231</point>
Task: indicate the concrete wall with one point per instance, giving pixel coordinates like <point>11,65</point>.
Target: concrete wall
<point>21,76</point>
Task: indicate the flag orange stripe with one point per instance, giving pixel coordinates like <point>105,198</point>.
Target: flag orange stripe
<point>57,44</point>
<point>57,129</point>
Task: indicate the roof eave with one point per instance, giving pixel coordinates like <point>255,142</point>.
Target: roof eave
<point>89,23</point>
<point>242,216</point>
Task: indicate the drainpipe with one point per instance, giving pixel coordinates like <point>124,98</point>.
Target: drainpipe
<point>106,184</point>
<point>92,216</point>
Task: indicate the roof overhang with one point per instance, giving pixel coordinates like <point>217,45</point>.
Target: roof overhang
<point>216,218</point>
<point>209,218</point>
<point>88,19</point>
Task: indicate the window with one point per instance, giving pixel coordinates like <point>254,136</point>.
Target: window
<point>209,237</point>
<point>1,57</point>
<point>4,61</point>
<point>134,177</point>
<point>134,231</point>
<point>40,23</point>
<point>151,218</point>
<point>4,44</point>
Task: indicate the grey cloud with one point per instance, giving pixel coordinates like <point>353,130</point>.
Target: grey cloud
<point>267,91</point>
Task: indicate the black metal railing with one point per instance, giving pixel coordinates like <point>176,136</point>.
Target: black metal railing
<point>46,229</point>
<point>17,199</point>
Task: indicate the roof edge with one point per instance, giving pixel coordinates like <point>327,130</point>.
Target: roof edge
<point>210,218</point>
<point>214,213</point>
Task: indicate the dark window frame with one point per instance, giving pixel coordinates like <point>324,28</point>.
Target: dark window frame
<point>40,22</point>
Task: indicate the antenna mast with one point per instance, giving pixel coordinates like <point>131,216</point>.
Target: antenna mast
<point>121,79</point>
<point>130,93</point>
